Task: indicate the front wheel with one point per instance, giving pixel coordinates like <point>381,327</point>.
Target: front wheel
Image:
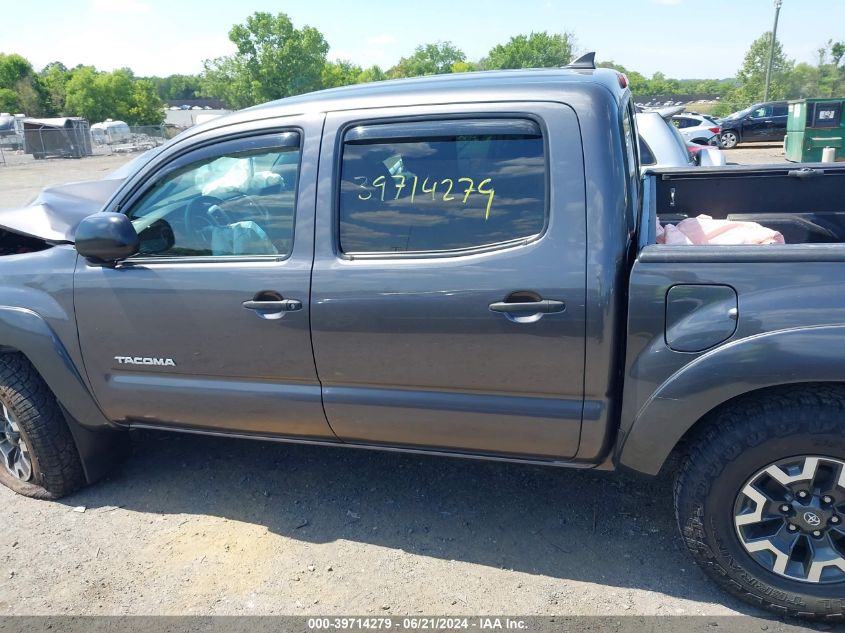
<point>729,139</point>
<point>38,457</point>
<point>760,500</point>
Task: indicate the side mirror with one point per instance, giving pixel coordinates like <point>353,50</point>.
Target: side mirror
<point>105,238</point>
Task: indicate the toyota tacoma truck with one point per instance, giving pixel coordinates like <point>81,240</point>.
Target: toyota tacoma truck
<point>461,265</point>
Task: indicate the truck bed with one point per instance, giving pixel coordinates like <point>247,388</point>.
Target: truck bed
<point>703,319</point>
<point>803,202</point>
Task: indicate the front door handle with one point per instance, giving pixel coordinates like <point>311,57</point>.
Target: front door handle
<point>545,306</point>
<point>273,309</point>
<point>283,305</point>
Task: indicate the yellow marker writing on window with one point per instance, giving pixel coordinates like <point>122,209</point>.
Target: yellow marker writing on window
<point>363,185</point>
<point>490,193</point>
<point>469,189</point>
<point>432,190</point>
<point>380,183</point>
<point>400,186</point>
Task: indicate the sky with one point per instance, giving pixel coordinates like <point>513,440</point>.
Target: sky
<point>684,39</point>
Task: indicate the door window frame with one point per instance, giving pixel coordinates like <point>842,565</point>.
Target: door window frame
<point>433,119</point>
<point>208,150</point>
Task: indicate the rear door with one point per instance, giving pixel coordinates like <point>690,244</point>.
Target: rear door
<point>780,114</point>
<point>449,288</point>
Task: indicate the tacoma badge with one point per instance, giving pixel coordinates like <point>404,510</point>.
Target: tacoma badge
<point>143,360</point>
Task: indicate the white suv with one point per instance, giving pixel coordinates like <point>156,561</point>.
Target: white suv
<point>697,128</point>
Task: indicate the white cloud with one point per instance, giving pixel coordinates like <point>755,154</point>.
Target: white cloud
<point>666,3</point>
<point>120,6</point>
<point>381,40</point>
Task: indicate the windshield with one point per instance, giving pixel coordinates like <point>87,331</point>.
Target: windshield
<point>740,113</point>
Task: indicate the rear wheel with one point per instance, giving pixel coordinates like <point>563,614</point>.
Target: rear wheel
<point>37,451</point>
<point>729,139</point>
<point>760,500</point>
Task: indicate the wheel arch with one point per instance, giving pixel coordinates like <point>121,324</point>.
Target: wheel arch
<point>750,367</point>
<point>25,332</point>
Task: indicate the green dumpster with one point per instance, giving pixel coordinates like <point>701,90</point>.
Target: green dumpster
<point>813,125</point>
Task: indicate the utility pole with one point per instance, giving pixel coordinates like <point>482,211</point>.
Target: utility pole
<point>778,4</point>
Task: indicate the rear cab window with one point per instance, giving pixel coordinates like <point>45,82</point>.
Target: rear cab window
<point>447,186</point>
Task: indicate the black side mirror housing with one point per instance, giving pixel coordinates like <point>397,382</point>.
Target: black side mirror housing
<point>106,238</point>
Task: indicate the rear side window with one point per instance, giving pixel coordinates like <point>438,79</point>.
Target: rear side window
<point>646,156</point>
<point>441,186</point>
<point>685,122</point>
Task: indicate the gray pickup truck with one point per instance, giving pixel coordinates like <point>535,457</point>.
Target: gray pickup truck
<point>462,265</point>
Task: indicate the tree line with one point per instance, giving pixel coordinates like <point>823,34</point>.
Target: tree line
<point>274,59</point>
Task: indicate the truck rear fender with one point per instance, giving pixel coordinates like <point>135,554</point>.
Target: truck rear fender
<point>771,359</point>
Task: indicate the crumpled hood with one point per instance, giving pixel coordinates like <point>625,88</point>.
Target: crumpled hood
<point>54,215</point>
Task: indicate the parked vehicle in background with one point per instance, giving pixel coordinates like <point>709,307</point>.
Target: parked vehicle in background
<point>662,145</point>
<point>697,128</point>
<point>760,122</point>
<point>110,131</point>
<point>464,267</point>
<point>706,155</point>
<point>11,130</point>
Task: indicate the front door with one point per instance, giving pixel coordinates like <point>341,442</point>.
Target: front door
<point>448,294</point>
<point>207,327</point>
<point>758,124</point>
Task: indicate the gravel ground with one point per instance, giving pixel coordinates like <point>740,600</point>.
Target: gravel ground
<point>198,525</point>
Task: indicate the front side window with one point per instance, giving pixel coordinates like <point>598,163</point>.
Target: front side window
<point>762,112</point>
<point>441,186</point>
<point>237,203</point>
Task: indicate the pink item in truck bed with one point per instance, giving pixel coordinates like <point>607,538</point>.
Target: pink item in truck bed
<point>705,230</point>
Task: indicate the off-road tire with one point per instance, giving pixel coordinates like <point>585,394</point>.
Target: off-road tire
<point>734,443</point>
<point>56,467</point>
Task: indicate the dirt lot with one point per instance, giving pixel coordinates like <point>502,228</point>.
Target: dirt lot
<point>193,525</point>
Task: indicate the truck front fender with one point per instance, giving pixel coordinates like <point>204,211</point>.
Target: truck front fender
<point>25,331</point>
<point>771,359</point>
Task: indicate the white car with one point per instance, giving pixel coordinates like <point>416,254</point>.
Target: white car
<point>697,128</point>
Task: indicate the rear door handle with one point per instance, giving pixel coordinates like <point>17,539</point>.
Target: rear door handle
<point>544,306</point>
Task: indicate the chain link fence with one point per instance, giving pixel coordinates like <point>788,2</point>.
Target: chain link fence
<point>78,139</point>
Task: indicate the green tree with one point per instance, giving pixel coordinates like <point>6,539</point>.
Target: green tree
<point>831,77</point>
<point>13,68</point>
<point>373,73</point>
<point>751,77</point>
<point>84,95</point>
<point>535,50</point>
<point>177,87</point>
<point>803,82</point>
<point>9,101</point>
<point>146,108</point>
<point>17,75</point>
<point>98,96</point>
<point>340,73</point>
<point>428,59</point>
<point>273,60</point>
<point>54,77</point>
